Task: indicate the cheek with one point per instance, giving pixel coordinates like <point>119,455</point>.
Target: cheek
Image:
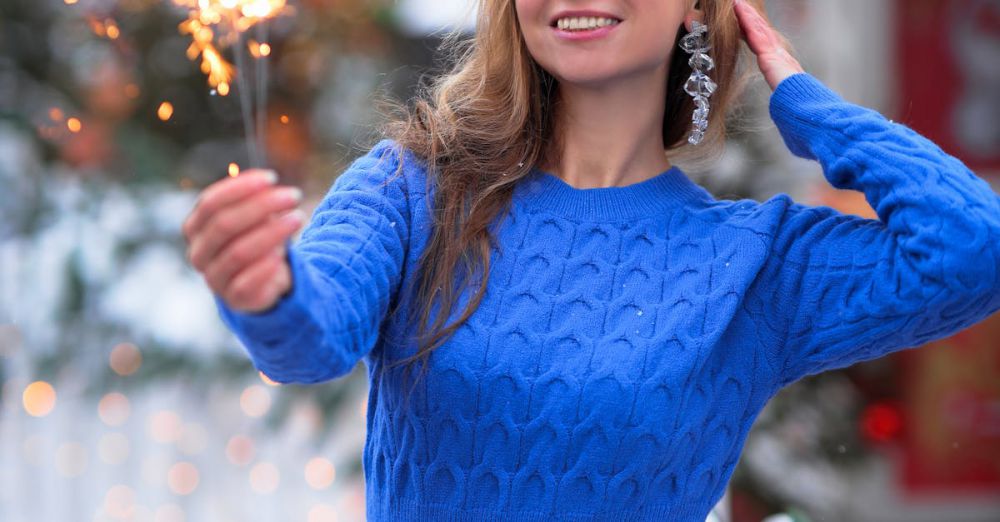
<point>528,11</point>
<point>528,16</point>
<point>653,40</point>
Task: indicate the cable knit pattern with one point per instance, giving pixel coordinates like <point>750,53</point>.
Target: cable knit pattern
<point>629,336</point>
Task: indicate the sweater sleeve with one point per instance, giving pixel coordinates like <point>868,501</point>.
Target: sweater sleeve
<point>346,269</point>
<point>848,289</point>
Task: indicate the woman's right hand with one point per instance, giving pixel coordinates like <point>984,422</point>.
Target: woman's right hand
<point>236,237</point>
<point>771,47</point>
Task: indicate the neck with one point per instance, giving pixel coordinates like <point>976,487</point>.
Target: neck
<point>610,134</point>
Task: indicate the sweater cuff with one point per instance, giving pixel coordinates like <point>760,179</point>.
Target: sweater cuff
<point>799,105</point>
<point>272,327</point>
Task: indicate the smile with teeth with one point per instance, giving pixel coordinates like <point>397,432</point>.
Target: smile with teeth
<point>584,23</point>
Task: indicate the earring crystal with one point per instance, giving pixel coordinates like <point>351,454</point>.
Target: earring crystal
<point>698,85</point>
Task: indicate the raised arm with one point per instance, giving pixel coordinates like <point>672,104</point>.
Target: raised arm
<point>346,269</point>
<point>843,288</point>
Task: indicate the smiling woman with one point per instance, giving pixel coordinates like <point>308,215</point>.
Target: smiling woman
<point>619,328</point>
<point>505,108</point>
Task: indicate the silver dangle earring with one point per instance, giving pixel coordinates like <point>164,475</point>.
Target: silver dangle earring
<point>698,85</point>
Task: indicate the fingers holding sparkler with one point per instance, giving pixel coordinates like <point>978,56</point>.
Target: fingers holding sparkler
<point>225,192</point>
<point>233,209</point>
<point>236,229</point>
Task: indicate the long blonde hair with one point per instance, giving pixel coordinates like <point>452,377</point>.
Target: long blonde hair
<point>483,125</point>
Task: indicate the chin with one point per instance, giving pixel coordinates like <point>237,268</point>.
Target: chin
<point>586,74</point>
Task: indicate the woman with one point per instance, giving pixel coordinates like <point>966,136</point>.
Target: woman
<point>610,329</point>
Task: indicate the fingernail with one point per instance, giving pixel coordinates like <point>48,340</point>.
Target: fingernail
<point>295,217</point>
<point>294,193</point>
<point>271,176</point>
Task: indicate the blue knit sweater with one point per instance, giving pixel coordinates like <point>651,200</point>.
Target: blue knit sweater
<point>629,336</point>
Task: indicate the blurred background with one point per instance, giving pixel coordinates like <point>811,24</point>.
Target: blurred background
<point>124,398</point>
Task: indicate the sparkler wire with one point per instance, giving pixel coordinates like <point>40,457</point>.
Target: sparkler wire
<point>246,103</point>
<point>261,70</point>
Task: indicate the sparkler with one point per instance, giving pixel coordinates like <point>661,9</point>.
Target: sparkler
<point>217,24</point>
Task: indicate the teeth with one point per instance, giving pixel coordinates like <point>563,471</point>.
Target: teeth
<point>583,23</point>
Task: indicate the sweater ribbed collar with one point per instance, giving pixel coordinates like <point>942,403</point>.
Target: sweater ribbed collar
<point>661,193</point>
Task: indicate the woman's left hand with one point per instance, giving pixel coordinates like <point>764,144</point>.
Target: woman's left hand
<point>771,48</point>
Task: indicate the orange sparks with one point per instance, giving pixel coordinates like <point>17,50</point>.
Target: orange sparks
<point>258,50</point>
<point>234,170</point>
<point>284,119</point>
<point>106,28</point>
<point>228,18</point>
<point>70,2</point>
<point>166,111</point>
<point>74,125</point>
<point>260,8</point>
<point>219,71</point>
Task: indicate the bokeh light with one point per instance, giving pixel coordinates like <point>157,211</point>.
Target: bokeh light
<point>119,502</point>
<point>165,426</point>
<point>125,359</point>
<point>322,513</point>
<point>255,400</point>
<point>240,450</point>
<point>264,478</point>
<point>165,111</point>
<point>320,473</point>
<point>113,409</point>
<point>39,399</point>
<point>182,479</point>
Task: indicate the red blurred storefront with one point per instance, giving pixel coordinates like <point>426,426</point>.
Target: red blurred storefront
<point>935,411</point>
<point>949,70</point>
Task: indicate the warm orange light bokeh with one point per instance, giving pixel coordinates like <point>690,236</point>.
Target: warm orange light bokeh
<point>39,398</point>
<point>165,111</point>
